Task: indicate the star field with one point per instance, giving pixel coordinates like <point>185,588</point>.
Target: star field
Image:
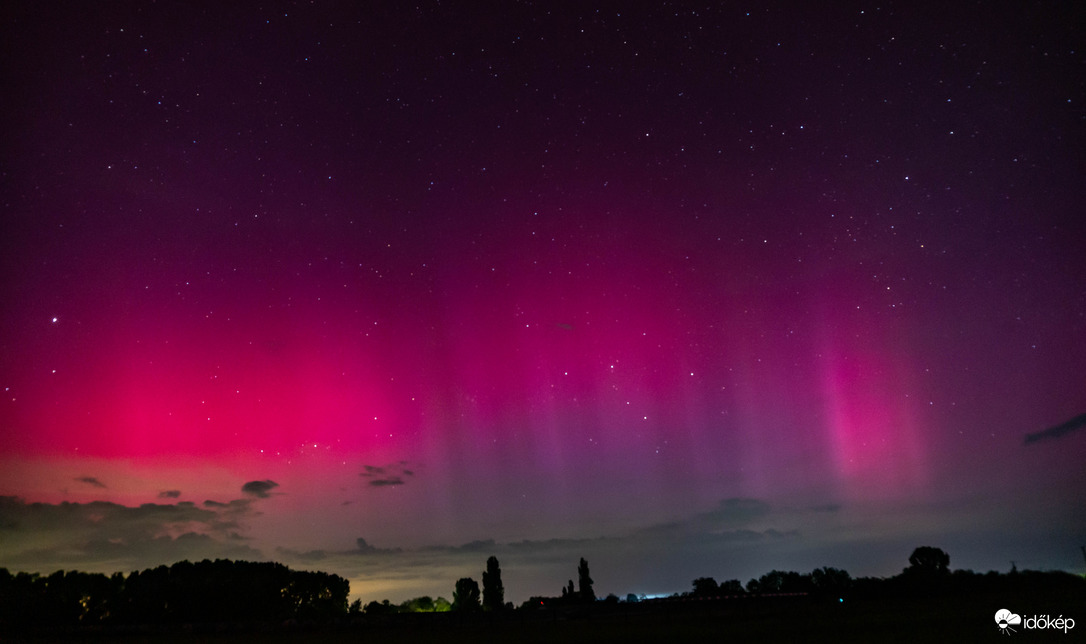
<point>577,275</point>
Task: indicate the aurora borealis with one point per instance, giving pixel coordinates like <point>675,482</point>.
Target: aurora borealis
<point>692,290</point>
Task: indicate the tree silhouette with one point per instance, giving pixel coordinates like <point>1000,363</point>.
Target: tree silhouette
<point>705,587</point>
<point>584,582</point>
<point>928,571</point>
<point>779,581</point>
<point>466,595</point>
<point>493,591</point>
<point>380,608</point>
<point>830,580</point>
<point>929,561</point>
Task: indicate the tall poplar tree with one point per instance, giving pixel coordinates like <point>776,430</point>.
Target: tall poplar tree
<point>493,591</point>
<point>584,583</point>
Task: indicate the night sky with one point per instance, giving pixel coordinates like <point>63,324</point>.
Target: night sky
<point>697,290</point>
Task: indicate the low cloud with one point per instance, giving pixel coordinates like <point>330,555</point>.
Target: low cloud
<point>106,537</point>
<point>1057,431</point>
<point>386,475</point>
<point>730,539</point>
<point>232,511</point>
<point>259,489</point>
<point>480,545</point>
<point>90,480</point>
<point>363,548</point>
<point>729,514</point>
<point>308,556</point>
<point>169,494</point>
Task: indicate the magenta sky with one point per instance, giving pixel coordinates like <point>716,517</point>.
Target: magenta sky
<point>685,292</point>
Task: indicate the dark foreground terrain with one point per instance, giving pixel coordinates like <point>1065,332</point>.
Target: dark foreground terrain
<point>742,619</point>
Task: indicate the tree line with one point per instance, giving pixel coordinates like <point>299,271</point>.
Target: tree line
<point>928,574</point>
<point>207,592</point>
<point>241,592</point>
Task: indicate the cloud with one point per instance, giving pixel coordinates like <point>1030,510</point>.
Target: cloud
<point>90,480</point>
<point>259,489</point>
<point>308,556</point>
<point>366,549</point>
<point>169,494</point>
<point>106,537</point>
<point>729,514</point>
<point>1057,431</point>
<point>158,550</point>
<point>478,545</point>
<point>232,510</point>
<point>105,516</point>
<point>385,475</point>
